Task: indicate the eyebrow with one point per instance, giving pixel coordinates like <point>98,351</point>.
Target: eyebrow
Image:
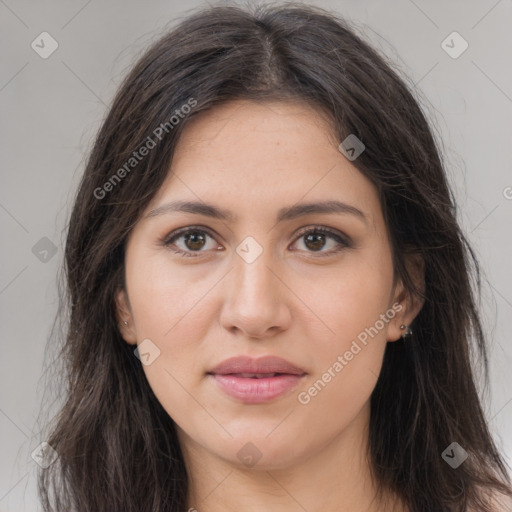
<point>287,213</point>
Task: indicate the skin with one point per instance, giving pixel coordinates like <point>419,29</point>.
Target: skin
<point>253,159</point>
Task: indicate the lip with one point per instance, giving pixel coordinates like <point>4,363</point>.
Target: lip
<point>230,376</point>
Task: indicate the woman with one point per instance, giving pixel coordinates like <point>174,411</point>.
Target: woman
<point>271,301</point>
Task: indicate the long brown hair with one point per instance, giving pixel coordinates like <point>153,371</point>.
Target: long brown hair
<point>117,446</point>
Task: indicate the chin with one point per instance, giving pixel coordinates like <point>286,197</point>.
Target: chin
<point>254,453</point>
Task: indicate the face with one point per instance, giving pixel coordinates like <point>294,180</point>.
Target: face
<point>267,278</point>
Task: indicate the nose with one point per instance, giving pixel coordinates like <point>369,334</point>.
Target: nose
<point>257,300</point>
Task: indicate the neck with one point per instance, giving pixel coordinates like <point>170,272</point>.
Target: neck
<point>337,477</point>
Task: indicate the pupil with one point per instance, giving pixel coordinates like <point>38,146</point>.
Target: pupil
<point>314,241</point>
<point>317,239</point>
<point>194,238</point>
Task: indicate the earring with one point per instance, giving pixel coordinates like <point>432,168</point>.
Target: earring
<point>406,333</point>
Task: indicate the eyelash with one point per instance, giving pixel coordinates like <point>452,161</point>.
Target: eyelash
<point>342,241</point>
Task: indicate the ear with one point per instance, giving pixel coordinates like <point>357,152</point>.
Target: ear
<point>410,304</point>
<point>123,314</point>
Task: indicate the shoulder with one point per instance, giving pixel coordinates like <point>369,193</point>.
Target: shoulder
<point>499,503</point>
<point>502,503</point>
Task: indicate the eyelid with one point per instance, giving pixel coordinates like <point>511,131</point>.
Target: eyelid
<point>316,228</point>
<point>341,239</point>
<point>167,239</point>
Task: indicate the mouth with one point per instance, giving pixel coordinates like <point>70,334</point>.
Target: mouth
<point>255,381</point>
<point>256,388</point>
<point>256,375</point>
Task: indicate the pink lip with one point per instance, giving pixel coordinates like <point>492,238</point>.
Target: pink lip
<point>265,364</point>
<point>254,390</point>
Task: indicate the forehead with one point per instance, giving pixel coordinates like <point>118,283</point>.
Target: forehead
<point>251,155</point>
<point>246,125</point>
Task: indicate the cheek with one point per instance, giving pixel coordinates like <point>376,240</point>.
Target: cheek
<point>354,305</point>
<point>353,299</point>
<point>165,299</point>
<point>170,309</point>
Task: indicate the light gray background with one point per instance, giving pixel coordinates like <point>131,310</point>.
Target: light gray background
<point>51,109</point>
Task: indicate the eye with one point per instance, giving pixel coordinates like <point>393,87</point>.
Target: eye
<point>195,239</point>
<point>314,239</point>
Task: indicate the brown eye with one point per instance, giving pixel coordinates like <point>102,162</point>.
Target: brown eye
<point>315,239</point>
<point>193,241</point>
